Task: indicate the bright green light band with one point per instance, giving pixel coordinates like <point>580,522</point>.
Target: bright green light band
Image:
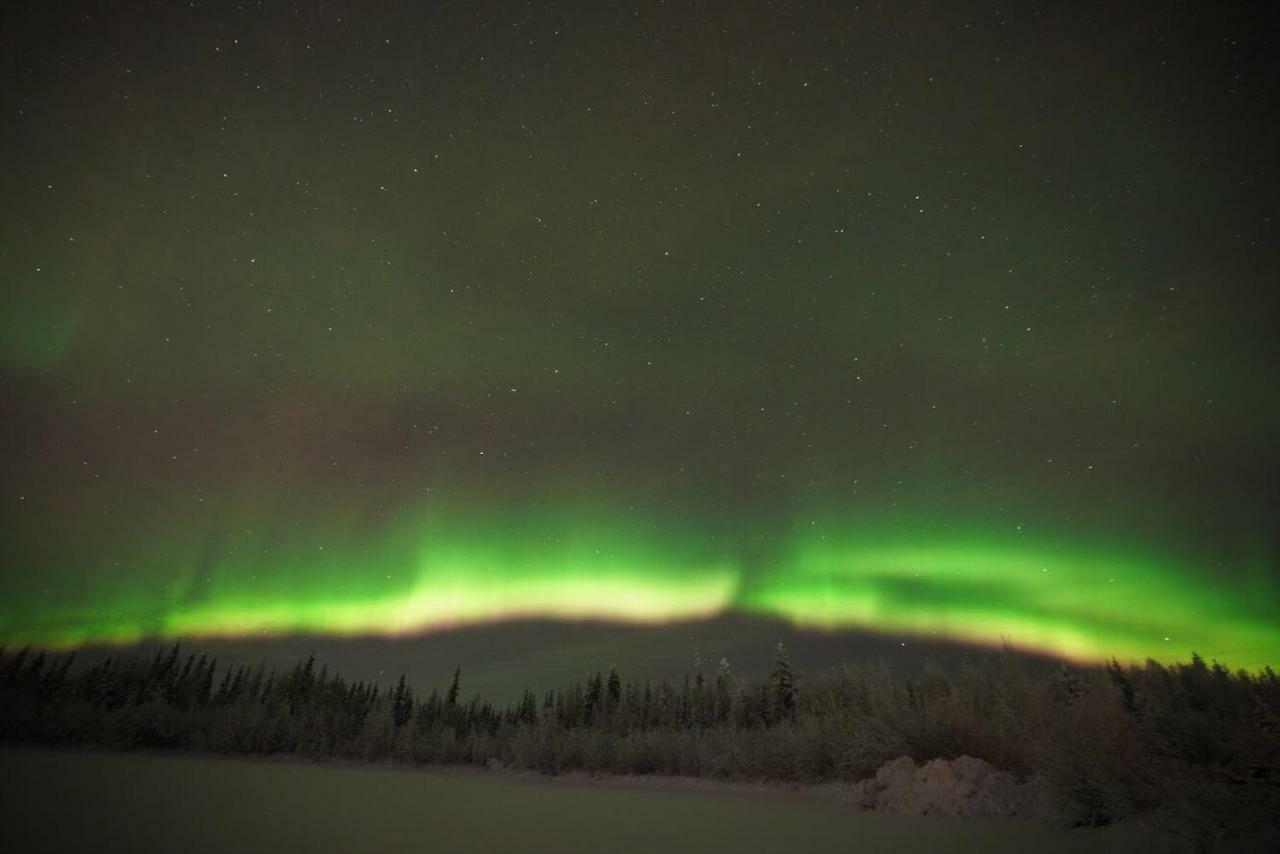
<point>1074,602</point>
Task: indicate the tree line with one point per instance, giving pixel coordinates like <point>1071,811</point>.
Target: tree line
<point>186,701</point>
<point>1193,739</point>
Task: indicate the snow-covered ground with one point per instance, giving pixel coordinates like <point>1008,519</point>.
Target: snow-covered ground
<point>87,801</point>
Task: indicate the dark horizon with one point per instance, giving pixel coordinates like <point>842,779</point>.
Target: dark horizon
<point>501,660</point>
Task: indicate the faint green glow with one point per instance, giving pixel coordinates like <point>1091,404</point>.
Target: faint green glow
<point>38,328</point>
<point>438,571</point>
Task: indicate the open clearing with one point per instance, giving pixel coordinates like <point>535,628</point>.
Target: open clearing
<point>85,801</point>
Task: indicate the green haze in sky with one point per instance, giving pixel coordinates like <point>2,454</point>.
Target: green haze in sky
<point>439,569</point>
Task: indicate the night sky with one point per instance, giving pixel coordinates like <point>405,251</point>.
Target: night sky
<point>940,322</point>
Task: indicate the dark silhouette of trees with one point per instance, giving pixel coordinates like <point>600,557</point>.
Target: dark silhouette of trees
<point>1196,739</point>
<point>723,699</point>
<point>592,701</point>
<point>401,703</point>
<point>782,687</point>
<point>615,690</point>
<point>451,699</point>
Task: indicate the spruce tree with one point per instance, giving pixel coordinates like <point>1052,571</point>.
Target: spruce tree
<point>451,699</point>
<point>431,709</point>
<point>204,684</point>
<point>593,699</point>
<point>782,686</point>
<point>527,713</point>
<point>401,703</point>
<point>223,695</point>
<point>724,676</point>
<point>15,666</point>
<point>36,667</point>
<point>615,689</point>
<point>698,704</point>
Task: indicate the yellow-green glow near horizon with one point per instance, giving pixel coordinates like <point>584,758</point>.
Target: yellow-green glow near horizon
<point>606,596</point>
<point>1077,603</point>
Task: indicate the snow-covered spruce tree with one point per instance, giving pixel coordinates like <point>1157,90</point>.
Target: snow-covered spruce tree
<point>724,700</point>
<point>782,686</point>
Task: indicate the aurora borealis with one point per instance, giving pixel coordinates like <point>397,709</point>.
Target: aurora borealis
<point>385,319</point>
<point>1064,602</point>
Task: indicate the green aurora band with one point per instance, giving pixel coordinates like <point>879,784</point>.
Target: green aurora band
<point>450,570</point>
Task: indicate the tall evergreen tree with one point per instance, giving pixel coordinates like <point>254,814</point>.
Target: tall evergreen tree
<point>223,695</point>
<point>255,681</point>
<point>698,703</point>
<point>724,678</point>
<point>36,666</point>
<point>782,686</point>
<point>527,712</point>
<point>203,689</point>
<point>15,666</point>
<point>401,703</point>
<point>451,699</point>
<point>615,689</point>
<point>592,702</point>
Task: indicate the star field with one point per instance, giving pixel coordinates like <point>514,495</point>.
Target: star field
<point>910,319</point>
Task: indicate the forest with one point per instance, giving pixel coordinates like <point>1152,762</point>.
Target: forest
<point>1193,741</point>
